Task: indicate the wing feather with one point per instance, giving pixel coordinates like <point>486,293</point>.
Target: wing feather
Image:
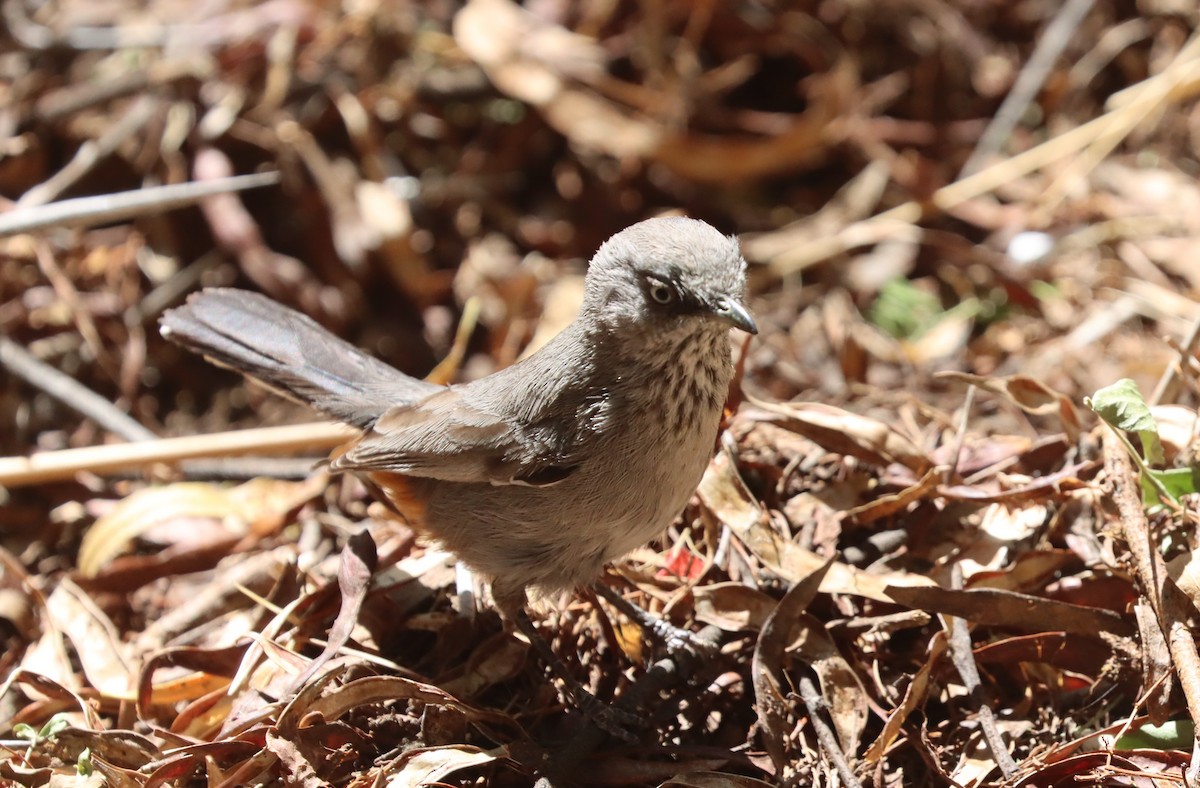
<point>446,437</point>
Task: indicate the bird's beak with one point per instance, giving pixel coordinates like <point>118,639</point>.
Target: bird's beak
<point>736,315</point>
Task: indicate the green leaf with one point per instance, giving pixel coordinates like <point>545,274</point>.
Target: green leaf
<point>1175,482</point>
<point>1172,735</point>
<point>23,730</point>
<point>904,310</point>
<point>83,764</point>
<point>1123,407</point>
<point>58,722</point>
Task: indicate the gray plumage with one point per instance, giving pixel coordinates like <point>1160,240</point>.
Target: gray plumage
<point>541,473</point>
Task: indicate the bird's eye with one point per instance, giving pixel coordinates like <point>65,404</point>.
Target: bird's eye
<point>661,292</point>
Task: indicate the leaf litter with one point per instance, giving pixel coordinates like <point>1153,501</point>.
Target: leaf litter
<point>922,555</point>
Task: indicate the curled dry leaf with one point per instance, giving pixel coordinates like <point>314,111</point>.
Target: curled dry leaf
<point>914,697</point>
<point>733,607</point>
<point>259,505</point>
<point>1073,653</point>
<point>766,670</point>
<point>1178,428</point>
<point>887,505</point>
<point>1103,768</point>
<point>1184,569</point>
<point>1018,611</point>
<point>840,685</point>
<point>1028,394</point>
<point>1002,530</point>
<point>123,749</point>
<point>97,645</point>
<point>496,660</point>
<point>843,432</point>
<point>49,688</point>
<point>433,765</point>
<point>380,689</point>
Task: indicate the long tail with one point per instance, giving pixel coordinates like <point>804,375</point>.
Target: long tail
<point>290,353</point>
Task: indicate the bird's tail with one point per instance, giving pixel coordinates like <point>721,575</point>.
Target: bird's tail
<point>290,353</point>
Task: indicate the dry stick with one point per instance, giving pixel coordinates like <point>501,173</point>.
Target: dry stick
<point>58,465</point>
<point>92,152</point>
<point>1168,383</point>
<point>964,662</point>
<point>68,294</point>
<point>815,704</point>
<point>83,400</point>
<point>1052,42</point>
<point>1121,122</point>
<point>961,438</point>
<point>69,99</point>
<point>70,392</point>
<point>105,208</point>
<point>1141,99</point>
<point>1171,607</point>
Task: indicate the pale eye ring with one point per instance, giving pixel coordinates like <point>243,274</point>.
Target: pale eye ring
<point>661,292</point>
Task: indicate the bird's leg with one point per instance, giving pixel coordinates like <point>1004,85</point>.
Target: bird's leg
<point>618,722</point>
<point>672,637</point>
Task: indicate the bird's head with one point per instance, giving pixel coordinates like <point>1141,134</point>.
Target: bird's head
<point>668,276</point>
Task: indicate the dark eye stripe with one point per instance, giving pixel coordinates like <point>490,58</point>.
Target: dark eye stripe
<point>680,301</point>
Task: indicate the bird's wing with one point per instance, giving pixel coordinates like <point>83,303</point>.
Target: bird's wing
<point>447,437</point>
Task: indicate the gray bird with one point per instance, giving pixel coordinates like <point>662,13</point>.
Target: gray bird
<point>539,474</point>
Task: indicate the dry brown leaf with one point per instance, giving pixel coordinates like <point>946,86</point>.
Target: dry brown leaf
<point>378,689</point>
<point>733,607</point>
<point>914,697</point>
<point>1178,428</point>
<point>97,645</point>
<point>848,433</point>
<point>432,765</point>
<point>259,506</point>
<point>726,496</point>
<point>945,340</point>
<point>1002,530</point>
<point>1073,653</point>
<point>1017,611</point>
<point>554,69</point>
<point>840,685</point>
<point>34,684</point>
<point>1030,570</point>
<point>497,659</point>
<point>1028,394</point>
<point>887,505</point>
<point>1184,569</point>
<point>767,669</point>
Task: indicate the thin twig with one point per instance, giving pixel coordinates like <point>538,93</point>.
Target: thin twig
<point>961,438</point>
<point>91,153</point>
<point>1142,99</point>
<point>1052,42</point>
<point>59,465</point>
<point>1167,384</point>
<point>964,662</point>
<point>70,392</point>
<point>816,704</point>
<point>105,208</point>
<point>1171,607</point>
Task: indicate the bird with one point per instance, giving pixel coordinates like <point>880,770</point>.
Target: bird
<point>537,475</point>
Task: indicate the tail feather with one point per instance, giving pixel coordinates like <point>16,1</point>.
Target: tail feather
<point>289,352</point>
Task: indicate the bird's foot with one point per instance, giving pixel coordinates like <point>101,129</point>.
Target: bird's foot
<point>678,641</point>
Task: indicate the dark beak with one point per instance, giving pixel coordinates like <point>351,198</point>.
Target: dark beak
<point>736,315</point>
